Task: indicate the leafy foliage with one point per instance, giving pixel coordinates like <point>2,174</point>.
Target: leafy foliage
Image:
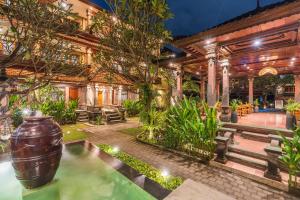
<point>30,42</point>
<point>234,105</point>
<point>291,156</point>
<point>132,107</point>
<point>292,106</point>
<point>190,85</point>
<point>16,117</point>
<point>188,131</point>
<point>168,182</point>
<point>155,123</point>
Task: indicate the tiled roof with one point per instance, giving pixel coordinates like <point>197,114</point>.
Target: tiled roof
<point>100,78</point>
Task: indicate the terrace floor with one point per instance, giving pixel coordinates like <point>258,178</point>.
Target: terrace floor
<point>229,183</point>
<point>267,120</point>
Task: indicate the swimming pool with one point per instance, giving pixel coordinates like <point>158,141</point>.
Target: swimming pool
<point>82,175</point>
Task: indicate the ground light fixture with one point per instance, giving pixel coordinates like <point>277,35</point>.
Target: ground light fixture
<point>165,173</point>
<point>116,149</point>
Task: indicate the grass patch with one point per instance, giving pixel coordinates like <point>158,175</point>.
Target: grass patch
<point>73,132</point>
<point>132,131</point>
<point>167,181</point>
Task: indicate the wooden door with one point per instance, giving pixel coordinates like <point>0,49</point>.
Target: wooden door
<point>100,97</point>
<point>73,93</point>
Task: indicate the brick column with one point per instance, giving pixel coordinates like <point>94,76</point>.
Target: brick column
<point>297,87</point>
<point>225,116</point>
<point>212,65</point>
<point>218,90</point>
<point>202,89</point>
<point>120,95</point>
<point>67,94</point>
<point>96,89</point>
<point>179,76</point>
<point>251,80</point>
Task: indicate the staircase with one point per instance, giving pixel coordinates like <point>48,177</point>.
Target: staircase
<point>82,116</point>
<point>112,116</point>
<point>244,150</point>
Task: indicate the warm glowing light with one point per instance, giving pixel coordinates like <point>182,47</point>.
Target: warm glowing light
<point>293,59</point>
<point>257,42</point>
<point>171,64</point>
<point>268,70</point>
<point>64,5</point>
<point>173,55</point>
<point>207,42</point>
<point>197,73</point>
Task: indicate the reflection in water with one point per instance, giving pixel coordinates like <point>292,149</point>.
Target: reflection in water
<point>81,176</point>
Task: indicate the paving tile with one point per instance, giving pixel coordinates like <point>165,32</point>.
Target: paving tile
<point>232,184</point>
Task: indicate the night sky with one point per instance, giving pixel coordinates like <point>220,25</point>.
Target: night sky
<point>193,16</point>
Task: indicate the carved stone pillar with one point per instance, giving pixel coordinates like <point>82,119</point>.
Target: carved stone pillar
<point>251,80</point>
<point>297,87</point>
<point>212,65</point>
<point>225,116</point>
<point>273,171</point>
<point>222,149</point>
<point>89,56</point>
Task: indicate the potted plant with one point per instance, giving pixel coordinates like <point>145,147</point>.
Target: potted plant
<point>256,105</point>
<point>291,159</point>
<point>234,105</point>
<point>291,107</point>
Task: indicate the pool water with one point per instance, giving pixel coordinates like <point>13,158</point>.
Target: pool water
<point>81,176</point>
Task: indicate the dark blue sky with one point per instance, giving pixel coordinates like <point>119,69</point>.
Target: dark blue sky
<point>193,16</point>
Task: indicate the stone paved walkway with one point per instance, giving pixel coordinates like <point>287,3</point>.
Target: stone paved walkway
<point>223,181</point>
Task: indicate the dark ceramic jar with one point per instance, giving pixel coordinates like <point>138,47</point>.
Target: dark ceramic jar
<point>36,148</point>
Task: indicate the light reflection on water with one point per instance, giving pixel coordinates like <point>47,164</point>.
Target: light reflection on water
<point>81,176</point>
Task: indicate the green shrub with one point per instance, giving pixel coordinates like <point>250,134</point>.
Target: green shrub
<point>292,106</point>
<point>291,156</point>
<point>16,117</point>
<point>186,130</point>
<point>155,122</point>
<point>234,104</point>
<point>152,173</point>
<point>133,108</point>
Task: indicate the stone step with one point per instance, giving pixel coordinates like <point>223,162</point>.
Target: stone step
<point>255,136</point>
<point>83,120</point>
<point>239,150</point>
<point>115,121</point>
<point>246,160</point>
<point>115,117</point>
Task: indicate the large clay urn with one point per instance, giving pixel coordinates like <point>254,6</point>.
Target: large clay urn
<point>36,148</point>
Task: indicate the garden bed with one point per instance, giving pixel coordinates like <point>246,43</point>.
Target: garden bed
<point>178,152</point>
<point>167,181</point>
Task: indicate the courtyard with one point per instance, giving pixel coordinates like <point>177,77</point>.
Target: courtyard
<point>148,100</point>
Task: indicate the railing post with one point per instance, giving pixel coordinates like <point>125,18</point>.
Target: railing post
<point>273,171</point>
<point>222,149</point>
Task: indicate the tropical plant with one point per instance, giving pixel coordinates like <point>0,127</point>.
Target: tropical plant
<point>155,122</point>
<point>30,41</point>
<point>190,85</point>
<point>17,118</point>
<point>132,107</point>
<point>291,156</point>
<point>292,106</point>
<point>186,130</point>
<point>70,115</point>
<point>98,120</point>
<point>256,102</point>
<point>130,39</point>
<point>234,104</point>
